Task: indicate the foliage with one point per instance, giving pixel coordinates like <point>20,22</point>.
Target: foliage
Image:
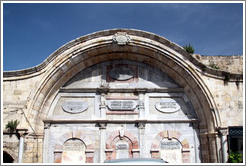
<point>214,66</point>
<point>12,125</point>
<point>189,48</point>
<point>235,157</point>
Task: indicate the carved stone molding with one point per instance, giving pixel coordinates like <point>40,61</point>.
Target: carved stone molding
<point>121,38</point>
<point>47,125</point>
<point>102,125</point>
<point>141,125</point>
<point>223,131</point>
<point>195,124</point>
<point>22,132</point>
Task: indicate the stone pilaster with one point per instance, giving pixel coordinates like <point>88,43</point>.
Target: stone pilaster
<point>22,133</point>
<point>141,133</point>
<point>141,103</point>
<point>102,128</point>
<point>103,106</point>
<point>223,132</point>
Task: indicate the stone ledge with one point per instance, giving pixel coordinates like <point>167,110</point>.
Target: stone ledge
<point>108,150</point>
<point>105,90</point>
<point>61,121</point>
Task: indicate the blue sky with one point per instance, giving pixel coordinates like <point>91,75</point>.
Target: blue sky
<point>33,31</point>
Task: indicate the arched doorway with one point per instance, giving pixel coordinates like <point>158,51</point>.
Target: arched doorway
<point>7,158</point>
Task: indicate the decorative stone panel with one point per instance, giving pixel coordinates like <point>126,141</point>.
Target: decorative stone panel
<point>115,137</point>
<point>89,151</point>
<point>170,134</point>
<point>123,73</point>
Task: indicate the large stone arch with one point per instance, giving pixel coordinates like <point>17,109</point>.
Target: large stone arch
<point>143,47</point>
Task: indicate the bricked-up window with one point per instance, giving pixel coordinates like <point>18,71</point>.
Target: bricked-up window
<point>171,150</point>
<point>122,149</point>
<point>73,151</point>
<point>235,139</point>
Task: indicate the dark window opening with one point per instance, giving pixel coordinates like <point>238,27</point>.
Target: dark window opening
<point>7,158</point>
<point>235,140</point>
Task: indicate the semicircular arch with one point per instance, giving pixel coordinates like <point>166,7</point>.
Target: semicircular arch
<point>147,48</point>
<point>193,85</point>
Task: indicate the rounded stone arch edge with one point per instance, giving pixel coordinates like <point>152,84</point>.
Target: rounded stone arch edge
<point>127,134</point>
<point>43,95</point>
<point>170,134</point>
<point>10,153</point>
<point>89,151</point>
<point>74,135</point>
<point>37,70</point>
<point>110,151</point>
<point>39,95</point>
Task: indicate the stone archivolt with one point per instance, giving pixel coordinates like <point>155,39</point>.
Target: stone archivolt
<point>188,72</point>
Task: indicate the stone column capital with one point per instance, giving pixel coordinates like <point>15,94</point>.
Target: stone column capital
<point>22,132</point>
<point>103,90</point>
<point>102,125</point>
<point>223,131</point>
<point>195,124</point>
<point>141,125</point>
<point>47,125</point>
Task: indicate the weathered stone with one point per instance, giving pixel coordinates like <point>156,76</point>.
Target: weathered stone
<point>163,71</point>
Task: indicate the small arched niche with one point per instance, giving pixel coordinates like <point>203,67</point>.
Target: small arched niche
<point>171,150</point>
<point>73,151</point>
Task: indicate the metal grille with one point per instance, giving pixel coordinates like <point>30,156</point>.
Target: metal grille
<point>236,131</point>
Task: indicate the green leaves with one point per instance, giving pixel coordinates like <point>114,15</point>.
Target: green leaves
<point>235,157</point>
<point>189,48</point>
<point>12,125</point>
<point>214,66</point>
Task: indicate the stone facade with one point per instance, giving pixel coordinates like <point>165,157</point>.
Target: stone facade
<point>231,63</point>
<point>122,93</point>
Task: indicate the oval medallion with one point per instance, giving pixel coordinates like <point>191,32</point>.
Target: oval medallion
<point>74,107</point>
<point>167,106</point>
<point>121,73</point>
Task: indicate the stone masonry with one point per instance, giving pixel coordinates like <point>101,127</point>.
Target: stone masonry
<point>123,92</point>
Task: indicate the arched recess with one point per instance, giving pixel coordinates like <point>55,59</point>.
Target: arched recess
<point>115,137</point>
<point>7,158</point>
<point>11,153</point>
<point>155,147</point>
<point>89,151</point>
<point>143,47</point>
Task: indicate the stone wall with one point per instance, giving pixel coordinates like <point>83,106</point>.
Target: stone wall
<point>16,95</point>
<point>11,144</point>
<point>215,95</point>
<point>233,64</point>
<point>228,97</point>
